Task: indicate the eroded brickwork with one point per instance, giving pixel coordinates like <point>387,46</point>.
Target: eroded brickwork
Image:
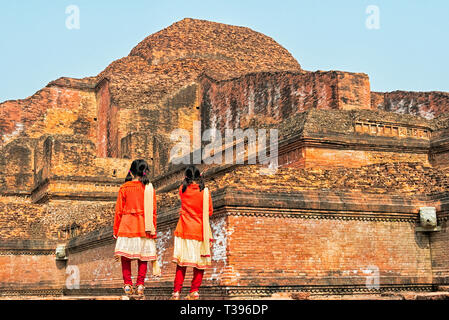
<point>278,96</point>
<point>325,252</point>
<point>18,277</point>
<point>425,104</point>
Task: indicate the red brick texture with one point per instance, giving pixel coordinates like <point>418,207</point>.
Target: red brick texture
<point>27,273</point>
<point>425,104</point>
<point>273,251</point>
<point>277,96</point>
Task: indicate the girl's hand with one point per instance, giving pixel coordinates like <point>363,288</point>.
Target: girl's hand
<point>115,237</point>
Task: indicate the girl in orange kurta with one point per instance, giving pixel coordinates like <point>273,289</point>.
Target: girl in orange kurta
<point>188,236</point>
<point>134,240</point>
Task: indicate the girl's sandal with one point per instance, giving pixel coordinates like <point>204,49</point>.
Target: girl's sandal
<point>140,290</point>
<point>175,296</point>
<point>193,296</point>
<point>128,289</point>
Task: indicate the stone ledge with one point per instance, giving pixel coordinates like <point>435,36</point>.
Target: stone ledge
<point>90,240</point>
<point>27,247</point>
<point>393,292</point>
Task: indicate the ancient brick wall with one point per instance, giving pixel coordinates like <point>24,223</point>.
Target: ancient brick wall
<point>277,96</point>
<point>440,256</point>
<point>106,122</point>
<point>439,153</point>
<point>425,104</point>
<point>17,166</point>
<point>401,179</point>
<point>66,219</point>
<point>330,158</point>
<point>333,138</point>
<point>349,138</point>
<point>23,220</point>
<point>353,90</point>
<point>326,251</point>
<point>20,219</point>
<point>320,250</point>
<point>440,239</point>
<point>54,109</point>
<point>440,159</point>
<point>25,274</point>
<point>28,267</point>
<point>97,267</point>
<point>73,156</point>
<point>341,224</point>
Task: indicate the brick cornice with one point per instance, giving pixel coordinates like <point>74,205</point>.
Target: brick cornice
<point>27,247</point>
<point>312,204</point>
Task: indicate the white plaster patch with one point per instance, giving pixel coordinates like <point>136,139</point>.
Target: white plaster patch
<point>162,242</point>
<point>221,236</point>
<point>228,117</point>
<point>269,88</point>
<point>103,271</point>
<point>400,107</point>
<point>372,277</point>
<point>276,99</point>
<point>214,121</point>
<point>251,99</point>
<point>17,130</point>
<point>322,96</point>
<point>425,114</point>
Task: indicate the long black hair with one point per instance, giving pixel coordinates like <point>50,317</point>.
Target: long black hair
<point>192,174</point>
<point>139,168</point>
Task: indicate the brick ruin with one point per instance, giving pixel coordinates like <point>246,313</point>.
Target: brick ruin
<point>355,167</point>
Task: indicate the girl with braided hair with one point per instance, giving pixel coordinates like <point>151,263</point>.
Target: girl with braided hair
<point>193,234</point>
<point>135,225</point>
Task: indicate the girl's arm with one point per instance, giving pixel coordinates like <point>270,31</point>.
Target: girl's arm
<point>118,211</point>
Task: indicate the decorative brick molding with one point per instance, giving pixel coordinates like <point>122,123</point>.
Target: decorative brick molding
<point>91,240</point>
<point>306,214</point>
<point>239,292</point>
<point>266,291</point>
<point>76,188</point>
<point>27,247</point>
<point>30,252</point>
<point>379,128</point>
<point>31,292</point>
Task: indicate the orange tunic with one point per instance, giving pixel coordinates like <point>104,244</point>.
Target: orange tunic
<point>129,219</point>
<point>190,224</point>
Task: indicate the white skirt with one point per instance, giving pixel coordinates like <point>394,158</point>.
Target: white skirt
<point>143,249</point>
<point>186,253</point>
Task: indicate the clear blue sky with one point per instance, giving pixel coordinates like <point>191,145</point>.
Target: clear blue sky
<point>408,52</point>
